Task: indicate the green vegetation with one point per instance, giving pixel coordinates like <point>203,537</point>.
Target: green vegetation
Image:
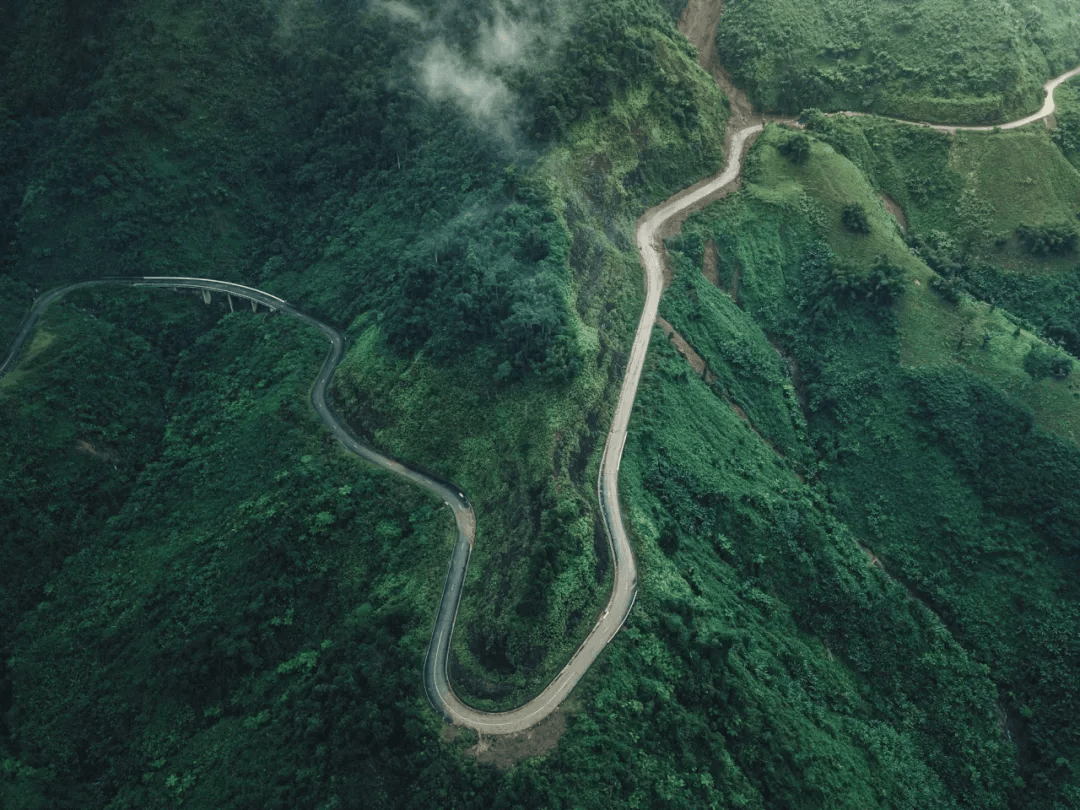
<point>965,218</point>
<point>491,252</point>
<point>796,147</point>
<point>988,197</point>
<point>853,217</point>
<point>980,61</point>
<point>856,530</point>
<point>1053,239</point>
<point>764,593</point>
<point>234,597</point>
<point>1040,362</point>
<point>936,464</point>
<point>527,453</point>
<point>1066,133</point>
<point>1021,182</point>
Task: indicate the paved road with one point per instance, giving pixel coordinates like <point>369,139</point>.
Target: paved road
<point>1048,108</point>
<point>624,592</point>
<point>435,663</point>
<point>649,245</point>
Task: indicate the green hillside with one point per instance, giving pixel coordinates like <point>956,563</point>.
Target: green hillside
<point>941,446</point>
<point>855,527</point>
<point>980,61</point>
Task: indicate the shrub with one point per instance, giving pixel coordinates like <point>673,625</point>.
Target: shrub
<point>796,148</point>
<point>854,218</point>
<point>1041,362</point>
<point>1051,239</point>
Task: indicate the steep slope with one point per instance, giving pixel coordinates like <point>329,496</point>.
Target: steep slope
<point>934,447</point>
<point>977,62</point>
<point>855,551</point>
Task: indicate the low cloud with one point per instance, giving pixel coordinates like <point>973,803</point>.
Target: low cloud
<point>398,11</point>
<point>512,35</point>
<point>446,76</point>
<point>503,43</point>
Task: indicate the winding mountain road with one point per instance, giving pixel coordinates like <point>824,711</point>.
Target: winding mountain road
<point>648,240</point>
<point>1048,108</point>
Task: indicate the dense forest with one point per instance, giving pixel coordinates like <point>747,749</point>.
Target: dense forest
<point>854,511</point>
<point>980,61</point>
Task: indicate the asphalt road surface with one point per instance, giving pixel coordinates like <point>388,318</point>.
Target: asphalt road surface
<point>624,592</point>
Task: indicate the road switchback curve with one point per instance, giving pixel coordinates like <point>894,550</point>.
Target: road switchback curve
<point>647,237</point>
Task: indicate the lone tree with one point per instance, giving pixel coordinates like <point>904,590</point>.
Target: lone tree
<point>1050,239</point>
<point>1041,362</point>
<point>796,148</point>
<point>854,218</point>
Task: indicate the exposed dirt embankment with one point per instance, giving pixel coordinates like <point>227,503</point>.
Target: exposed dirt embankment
<point>893,208</point>
<point>696,361</point>
<point>710,264</point>
<point>698,24</point>
<point>507,750</point>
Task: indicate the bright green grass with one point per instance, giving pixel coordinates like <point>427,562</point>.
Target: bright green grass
<point>974,188</point>
<point>926,452</point>
<point>1020,178</point>
<point>745,370</point>
<point>932,331</point>
<point>989,343</point>
<point>41,341</point>
<point>910,164</point>
<point>829,181</point>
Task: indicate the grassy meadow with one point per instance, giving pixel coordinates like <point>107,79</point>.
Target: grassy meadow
<point>941,434</point>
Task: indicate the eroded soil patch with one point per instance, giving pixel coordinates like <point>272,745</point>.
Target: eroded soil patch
<point>696,361</point>
<point>893,208</point>
<point>710,265</point>
<point>507,750</point>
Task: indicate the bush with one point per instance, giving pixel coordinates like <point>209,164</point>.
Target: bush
<point>796,148</point>
<point>812,117</point>
<point>1052,239</point>
<point>1042,362</point>
<point>854,218</point>
<point>879,288</point>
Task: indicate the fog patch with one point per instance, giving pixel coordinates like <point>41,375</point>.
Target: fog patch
<point>402,12</point>
<point>509,35</point>
<point>446,76</point>
<point>296,19</point>
<point>503,43</point>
